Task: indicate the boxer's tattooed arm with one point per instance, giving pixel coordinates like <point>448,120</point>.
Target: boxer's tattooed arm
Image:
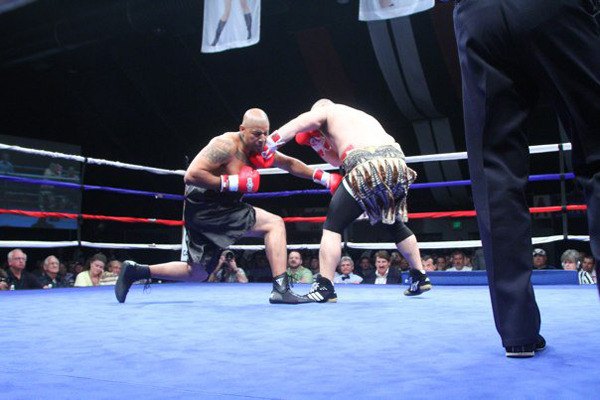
<point>218,151</point>
<point>241,156</point>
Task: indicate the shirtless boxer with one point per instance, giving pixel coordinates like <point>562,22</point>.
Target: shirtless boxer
<point>215,217</point>
<point>376,181</point>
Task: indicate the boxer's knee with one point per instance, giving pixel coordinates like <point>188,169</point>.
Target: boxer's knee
<point>276,224</point>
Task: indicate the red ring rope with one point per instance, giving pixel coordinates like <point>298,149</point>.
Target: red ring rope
<point>169,222</point>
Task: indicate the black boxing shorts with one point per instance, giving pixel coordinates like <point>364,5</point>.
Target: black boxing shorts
<point>213,221</point>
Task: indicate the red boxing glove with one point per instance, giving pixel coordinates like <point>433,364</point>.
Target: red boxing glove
<point>247,181</point>
<point>260,162</point>
<point>314,139</point>
<point>303,138</point>
<point>330,181</point>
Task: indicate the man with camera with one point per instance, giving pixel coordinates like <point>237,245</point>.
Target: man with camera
<point>227,270</point>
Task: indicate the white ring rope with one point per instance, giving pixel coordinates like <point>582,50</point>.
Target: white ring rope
<point>265,171</point>
<point>545,148</point>
<point>96,161</point>
<point>369,246</point>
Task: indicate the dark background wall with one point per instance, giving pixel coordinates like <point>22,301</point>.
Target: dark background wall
<point>126,81</point>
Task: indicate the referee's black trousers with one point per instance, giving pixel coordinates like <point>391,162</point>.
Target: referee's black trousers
<point>511,53</point>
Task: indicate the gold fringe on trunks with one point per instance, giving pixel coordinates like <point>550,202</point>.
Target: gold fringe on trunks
<point>380,186</point>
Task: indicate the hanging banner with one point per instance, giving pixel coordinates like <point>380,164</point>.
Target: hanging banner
<point>230,24</point>
<point>373,10</point>
<point>7,5</point>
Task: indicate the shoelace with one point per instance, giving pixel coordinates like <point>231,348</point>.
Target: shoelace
<point>414,287</point>
<point>147,286</point>
<point>314,288</point>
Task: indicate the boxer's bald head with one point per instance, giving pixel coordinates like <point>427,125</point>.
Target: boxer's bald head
<point>254,129</point>
<point>321,103</point>
<point>255,117</point>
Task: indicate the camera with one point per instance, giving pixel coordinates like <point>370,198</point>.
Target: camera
<point>229,255</point>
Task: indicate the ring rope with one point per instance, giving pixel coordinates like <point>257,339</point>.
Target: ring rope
<point>78,186</point>
<point>352,245</point>
<point>170,222</point>
<point>263,195</point>
<point>545,148</point>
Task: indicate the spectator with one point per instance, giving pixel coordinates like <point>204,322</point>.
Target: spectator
<point>48,201</point>
<point>71,173</point>
<point>114,266</point>
<point>440,263</point>
<point>296,272</point>
<point>427,262</point>
<point>570,260</point>
<point>540,259</point>
<point>54,170</point>
<point>67,276</point>
<point>259,270</point>
<point>346,274</point>
<point>366,269</point>
<point>3,280</point>
<point>587,274</point>
<point>51,277</point>
<point>458,262</point>
<point>94,274</point>
<point>384,275</point>
<point>6,166</point>
<point>227,270</point>
<point>314,265</point>
<point>17,277</point>
<point>478,260</point>
<point>75,268</point>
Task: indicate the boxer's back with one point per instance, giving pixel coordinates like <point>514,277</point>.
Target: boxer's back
<point>348,126</point>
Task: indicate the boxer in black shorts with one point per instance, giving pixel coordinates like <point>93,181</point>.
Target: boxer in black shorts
<point>215,215</point>
<point>376,182</point>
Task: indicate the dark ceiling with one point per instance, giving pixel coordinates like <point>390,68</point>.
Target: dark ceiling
<point>126,80</point>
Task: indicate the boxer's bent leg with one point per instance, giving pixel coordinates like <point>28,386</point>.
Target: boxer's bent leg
<point>179,271</point>
<point>406,243</point>
<point>343,210</point>
<point>271,226</point>
<point>330,253</point>
<point>497,101</point>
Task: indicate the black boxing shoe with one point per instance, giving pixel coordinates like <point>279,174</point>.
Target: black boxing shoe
<point>283,294</point>
<point>419,283</point>
<point>322,291</point>
<point>527,350</point>
<point>130,272</point>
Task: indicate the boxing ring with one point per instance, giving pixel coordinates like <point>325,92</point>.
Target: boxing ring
<point>224,341</point>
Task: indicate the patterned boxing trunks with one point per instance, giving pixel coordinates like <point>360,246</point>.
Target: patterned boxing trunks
<point>378,179</point>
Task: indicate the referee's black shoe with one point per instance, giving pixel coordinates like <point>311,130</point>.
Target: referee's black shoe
<point>527,350</point>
